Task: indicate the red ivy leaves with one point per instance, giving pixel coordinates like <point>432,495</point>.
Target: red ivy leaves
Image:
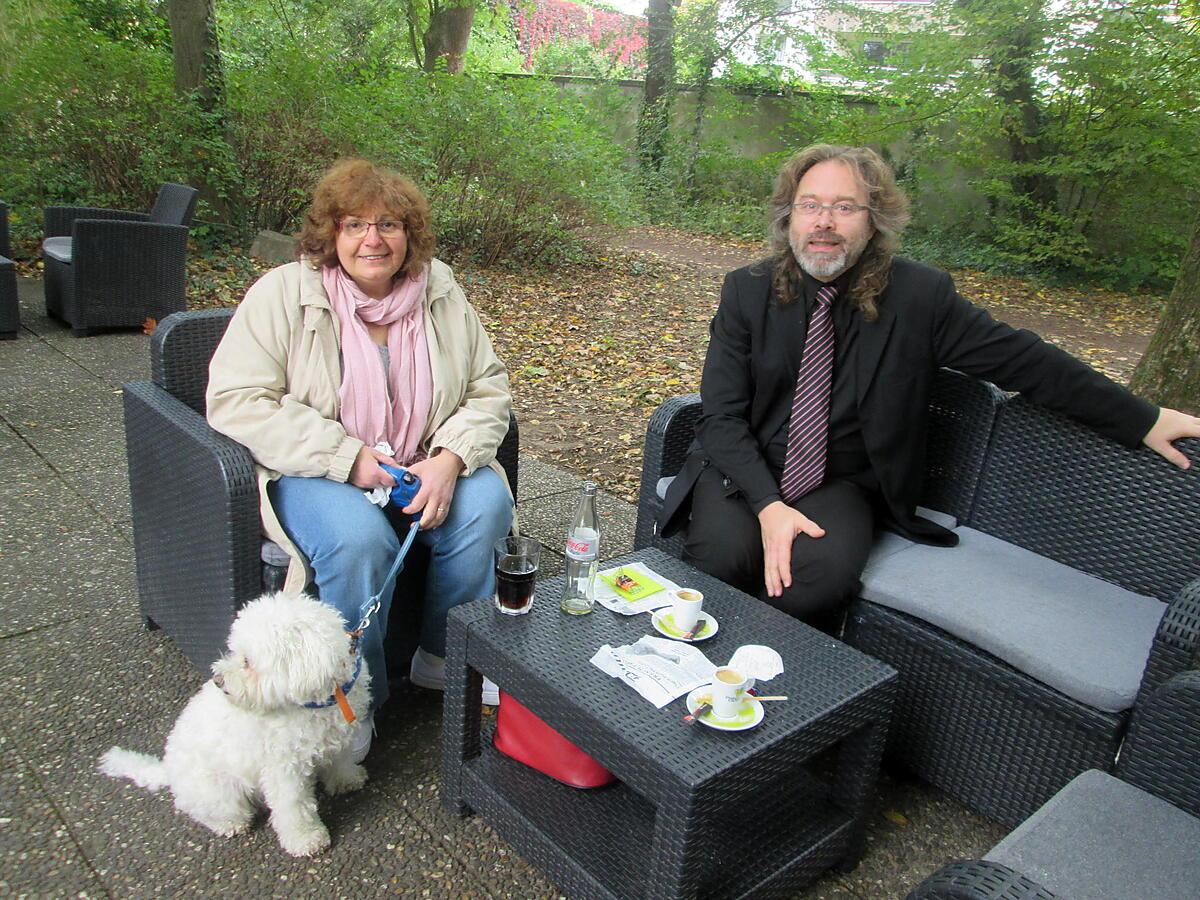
<point>614,34</point>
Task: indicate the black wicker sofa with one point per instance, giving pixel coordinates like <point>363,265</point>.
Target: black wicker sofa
<point>1129,837</point>
<point>1073,594</point>
<point>197,535</point>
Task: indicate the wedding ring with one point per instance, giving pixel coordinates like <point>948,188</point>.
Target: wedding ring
<point>441,509</point>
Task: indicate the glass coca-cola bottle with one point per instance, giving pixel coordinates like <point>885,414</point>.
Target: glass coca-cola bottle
<point>583,550</point>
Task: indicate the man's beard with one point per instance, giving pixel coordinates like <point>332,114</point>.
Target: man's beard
<point>821,265</point>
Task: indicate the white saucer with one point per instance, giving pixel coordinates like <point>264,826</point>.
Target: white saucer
<point>664,624</point>
<point>751,714</point>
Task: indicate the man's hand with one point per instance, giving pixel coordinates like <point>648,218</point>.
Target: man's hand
<point>1172,425</point>
<point>780,526</point>
<point>439,477</point>
<point>366,474</point>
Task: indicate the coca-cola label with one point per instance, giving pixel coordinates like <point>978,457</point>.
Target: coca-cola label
<point>581,545</point>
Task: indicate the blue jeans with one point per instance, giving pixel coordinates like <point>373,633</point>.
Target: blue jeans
<point>351,546</point>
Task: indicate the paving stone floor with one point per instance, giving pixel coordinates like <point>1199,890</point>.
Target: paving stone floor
<point>78,673</point>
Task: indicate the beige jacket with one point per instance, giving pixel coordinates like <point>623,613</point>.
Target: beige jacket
<point>273,385</point>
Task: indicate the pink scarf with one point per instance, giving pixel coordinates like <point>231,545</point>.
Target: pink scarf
<point>366,412</point>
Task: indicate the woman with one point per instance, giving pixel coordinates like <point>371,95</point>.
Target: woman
<point>366,352</point>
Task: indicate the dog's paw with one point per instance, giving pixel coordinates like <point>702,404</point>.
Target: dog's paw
<point>305,842</point>
<point>344,780</point>
<point>229,829</point>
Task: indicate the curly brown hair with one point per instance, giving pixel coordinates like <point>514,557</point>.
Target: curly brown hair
<point>888,212</point>
<point>354,187</point>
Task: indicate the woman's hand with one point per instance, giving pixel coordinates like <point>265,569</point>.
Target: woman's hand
<point>780,526</point>
<point>1172,425</point>
<point>366,474</point>
<point>439,476</point>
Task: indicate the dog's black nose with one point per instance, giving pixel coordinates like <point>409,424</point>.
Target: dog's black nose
<point>219,681</point>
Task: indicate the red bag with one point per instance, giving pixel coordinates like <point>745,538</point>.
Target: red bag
<point>526,738</point>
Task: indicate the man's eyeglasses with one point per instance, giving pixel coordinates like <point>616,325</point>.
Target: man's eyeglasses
<point>356,228</point>
<point>841,210</point>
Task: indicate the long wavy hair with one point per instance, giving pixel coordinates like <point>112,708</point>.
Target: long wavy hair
<point>888,212</point>
<point>354,187</point>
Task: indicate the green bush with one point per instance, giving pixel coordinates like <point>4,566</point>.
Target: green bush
<point>578,58</point>
<point>89,121</point>
<point>511,166</point>
<point>278,111</point>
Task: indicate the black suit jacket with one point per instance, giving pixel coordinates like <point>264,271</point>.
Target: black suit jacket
<point>923,324</point>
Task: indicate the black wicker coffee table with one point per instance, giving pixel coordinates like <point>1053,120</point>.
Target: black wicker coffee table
<point>697,812</point>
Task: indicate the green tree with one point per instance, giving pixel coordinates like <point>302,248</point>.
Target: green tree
<point>200,79</point>
<point>196,52</point>
<point>1074,122</point>
<point>712,33</point>
<point>654,121</point>
<point>1169,372</point>
<point>446,35</point>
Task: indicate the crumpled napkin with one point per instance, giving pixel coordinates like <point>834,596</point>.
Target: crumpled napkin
<point>381,496</point>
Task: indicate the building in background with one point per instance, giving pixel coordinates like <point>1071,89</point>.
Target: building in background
<point>874,28</point>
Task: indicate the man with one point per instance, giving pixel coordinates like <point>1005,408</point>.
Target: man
<point>816,385</point>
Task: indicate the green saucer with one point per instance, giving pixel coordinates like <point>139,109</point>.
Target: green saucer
<point>664,623</point>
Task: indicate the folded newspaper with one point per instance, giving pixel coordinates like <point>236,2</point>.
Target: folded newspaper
<point>658,669</point>
<point>661,670</point>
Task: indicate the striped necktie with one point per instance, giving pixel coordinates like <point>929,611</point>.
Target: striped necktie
<point>808,427</point>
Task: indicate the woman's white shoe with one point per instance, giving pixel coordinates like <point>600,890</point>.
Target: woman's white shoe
<point>429,671</point>
<point>364,730</point>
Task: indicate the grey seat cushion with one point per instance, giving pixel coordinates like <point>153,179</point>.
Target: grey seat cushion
<point>274,555</point>
<point>57,248</point>
<point>660,486</point>
<point>1082,636</point>
<point>1102,839</point>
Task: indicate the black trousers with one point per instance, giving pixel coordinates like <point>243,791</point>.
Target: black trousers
<point>724,540</point>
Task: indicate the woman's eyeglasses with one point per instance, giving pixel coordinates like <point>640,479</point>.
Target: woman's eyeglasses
<point>356,228</point>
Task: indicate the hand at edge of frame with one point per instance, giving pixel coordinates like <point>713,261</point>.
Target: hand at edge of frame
<point>1171,425</point>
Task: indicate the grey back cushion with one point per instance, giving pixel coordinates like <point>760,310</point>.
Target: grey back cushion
<point>58,248</point>
<point>1081,636</point>
<point>1102,839</point>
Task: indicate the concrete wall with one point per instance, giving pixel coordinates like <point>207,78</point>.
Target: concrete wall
<point>755,124</point>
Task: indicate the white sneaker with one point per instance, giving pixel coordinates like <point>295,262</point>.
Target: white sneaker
<point>364,730</point>
<point>429,671</point>
<point>491,693</point>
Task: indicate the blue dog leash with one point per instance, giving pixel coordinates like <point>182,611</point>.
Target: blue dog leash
<point>372,606</point>
<point>369,609</point>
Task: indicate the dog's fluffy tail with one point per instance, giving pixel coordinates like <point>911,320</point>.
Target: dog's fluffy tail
<point>142,769</point>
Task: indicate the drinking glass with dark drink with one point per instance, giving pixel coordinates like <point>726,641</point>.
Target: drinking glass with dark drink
<point>516,573</point>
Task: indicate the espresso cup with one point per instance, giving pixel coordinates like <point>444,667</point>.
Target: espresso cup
<point>686,604</point>
<point>729,688</point>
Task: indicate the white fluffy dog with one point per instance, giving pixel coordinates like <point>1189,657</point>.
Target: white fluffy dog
<point>247,738</point>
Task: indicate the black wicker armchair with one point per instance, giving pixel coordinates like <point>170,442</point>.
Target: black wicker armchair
<point>194,496</point>
<point>10,313</point>
<point>1130,839</point>
<point>979,726</point>
<point>107,268</point>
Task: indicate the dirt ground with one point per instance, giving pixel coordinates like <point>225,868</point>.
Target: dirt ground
<point>593,350</point>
